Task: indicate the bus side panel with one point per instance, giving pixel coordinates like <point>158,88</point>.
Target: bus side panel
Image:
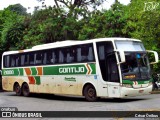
<point>102,89</point>
<point>8,82</point>
<point>50,84</point>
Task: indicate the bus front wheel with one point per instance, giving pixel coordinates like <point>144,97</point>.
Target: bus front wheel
<point>17,89</point>
<point>25,90</point>
<point>90,93</point>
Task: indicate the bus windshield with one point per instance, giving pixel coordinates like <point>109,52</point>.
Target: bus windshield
<point>136,66</point>
<point>129,45</point>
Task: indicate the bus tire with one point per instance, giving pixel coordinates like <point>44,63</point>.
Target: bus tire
<point>25,90</point>
<point>90,93</point>
<point>17,89</point>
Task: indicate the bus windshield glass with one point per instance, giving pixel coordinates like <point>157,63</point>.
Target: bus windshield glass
<point>129,45</point>
<point>136,66</point>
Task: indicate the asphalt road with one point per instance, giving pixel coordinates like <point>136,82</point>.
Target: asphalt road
<point>46,102</point>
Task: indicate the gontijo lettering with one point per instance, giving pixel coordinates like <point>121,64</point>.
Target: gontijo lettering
<point>72,70</point>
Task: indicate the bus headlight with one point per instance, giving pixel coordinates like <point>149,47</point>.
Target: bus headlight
<point>127,85</point>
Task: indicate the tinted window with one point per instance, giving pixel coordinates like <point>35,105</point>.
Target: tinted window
<point>85,53</point>
<point>38,58</point>
<point>31,59</point>
<point>13,62</point>
<point>72,54</point>
<point>6,61</point>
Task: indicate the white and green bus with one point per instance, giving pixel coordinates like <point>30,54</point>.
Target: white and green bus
<point>104,67</point>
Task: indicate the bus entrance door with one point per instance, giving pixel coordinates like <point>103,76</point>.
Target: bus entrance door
<point>112,76</point>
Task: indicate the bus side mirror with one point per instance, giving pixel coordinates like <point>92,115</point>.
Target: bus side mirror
<point>122,58</point>
<point>155,56</point>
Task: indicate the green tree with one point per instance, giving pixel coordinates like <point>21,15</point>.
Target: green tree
<point>109,23</point>
<point>11,29</point>
<point>44,26</point>
<point>18,8</point>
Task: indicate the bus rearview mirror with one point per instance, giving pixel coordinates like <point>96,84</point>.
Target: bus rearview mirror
<point>153,56</point>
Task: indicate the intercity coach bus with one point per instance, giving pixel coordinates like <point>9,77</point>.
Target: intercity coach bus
<point>104,67</point>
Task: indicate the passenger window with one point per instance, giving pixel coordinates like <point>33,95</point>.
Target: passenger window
<point>13,61</point>
<point>39,57</point>
<point>54,58</point>
<point>7,61</point>
<point>79,55</point>
<point>61,56</point>
<point>17,60</point>
<point>70,55</point>
<point>47,57</point>
<point>50,57</point>
<point>31,59</point>
<point>90,56</point>
<point>22,60</point>
<point>85,53</point>
<point>26,59</point>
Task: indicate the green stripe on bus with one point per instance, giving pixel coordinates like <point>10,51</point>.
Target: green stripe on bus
<point>83,69</point>
<point>68,70</point>
<point>93,68</point>
<point>34,71</point>
<point>21,71</point>
<point>11,72</point>
<point>127,82</point>
<point>38,81</point>
<point>139,81</point>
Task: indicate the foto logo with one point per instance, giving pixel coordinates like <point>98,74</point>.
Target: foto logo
<point>150,6</point>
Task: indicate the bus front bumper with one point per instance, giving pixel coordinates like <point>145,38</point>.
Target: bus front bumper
<point>127,92</point>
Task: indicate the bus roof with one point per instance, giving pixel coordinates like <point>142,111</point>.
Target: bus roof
<point>72,42</point>
<point>68,43</point>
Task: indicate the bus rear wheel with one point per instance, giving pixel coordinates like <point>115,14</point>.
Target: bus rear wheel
<point>25,90</point>
<point>90,93</point>
<point>17,89</point>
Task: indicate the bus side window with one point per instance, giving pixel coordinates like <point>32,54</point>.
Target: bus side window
<point>61,57</point>
<point>13,61</point>
<point>85,53</point>
<point>17,60</point>
<point>70,55</point>
<point>90,56</point>
<point>79,58</point>
<point>6,61</point>
<point>53,59</point>
<point>26,59</point>
<point>31,59</point>
<point>38,58</point>
<point>22,60</point>
<point>47,57</point>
